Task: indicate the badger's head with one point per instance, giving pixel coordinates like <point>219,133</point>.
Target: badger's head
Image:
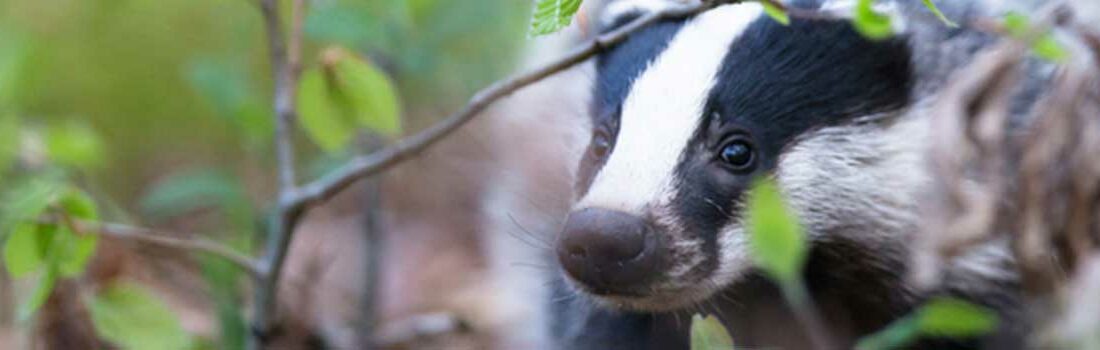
<point>688,113</point>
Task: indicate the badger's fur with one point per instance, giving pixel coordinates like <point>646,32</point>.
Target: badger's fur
<point>839,121</point>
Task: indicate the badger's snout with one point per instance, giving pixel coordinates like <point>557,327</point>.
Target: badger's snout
<point>609,252</point>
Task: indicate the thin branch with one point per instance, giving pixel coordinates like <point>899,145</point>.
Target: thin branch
<point>286,67</point>
<point>374,163</point>
<point>159,238</point>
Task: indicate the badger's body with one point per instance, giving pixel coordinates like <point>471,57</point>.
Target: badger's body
<point>687,113</point>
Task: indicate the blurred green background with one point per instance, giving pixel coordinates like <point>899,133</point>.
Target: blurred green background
<point>163,86</point>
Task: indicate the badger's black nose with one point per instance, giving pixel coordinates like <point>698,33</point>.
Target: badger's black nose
<point>610,252</point>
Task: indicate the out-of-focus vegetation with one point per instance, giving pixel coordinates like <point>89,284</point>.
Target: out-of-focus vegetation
<point>124,109</point>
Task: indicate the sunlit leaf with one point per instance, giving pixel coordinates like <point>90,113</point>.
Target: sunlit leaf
<point>74,144</point>
<point>709,334</point>
<point>778,14</point>
<point>39,295</point>
<point>939,14</point>
<point>943,318</point>
<point>870,23</point>
<point>955,318</point>
<point>345,93</point>
<point>553,15</point>
<point>778,244</point>
<point>133,318</point>
<point>1045,46</point>
<point>26,248</point>
<point>894,336</point>
<point>372,96</point>
<point>326,122</point>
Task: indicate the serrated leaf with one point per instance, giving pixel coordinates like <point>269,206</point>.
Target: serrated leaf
<point>26,248</point>
<point>939,14</point>
<point>955,318</point>
<point>38,296</point>
<point>74,144</point>
<point>776,13</point>
<point>553,15</point>
<point>131,317</point>
<point>708,333</point>
<point>371,94</point>
<point>778,244</point>
<point>870,23</point>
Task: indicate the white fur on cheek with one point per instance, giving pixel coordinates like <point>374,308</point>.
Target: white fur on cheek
<point>663,109</point>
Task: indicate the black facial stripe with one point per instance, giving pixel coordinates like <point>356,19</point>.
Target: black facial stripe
<point>616,71</point>
<point>776,83</point>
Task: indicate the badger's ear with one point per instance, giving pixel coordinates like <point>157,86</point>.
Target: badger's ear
<point>621,12</point>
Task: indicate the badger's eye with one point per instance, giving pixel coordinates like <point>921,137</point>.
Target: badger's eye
<point>738,154</point>
<point>601,144</point>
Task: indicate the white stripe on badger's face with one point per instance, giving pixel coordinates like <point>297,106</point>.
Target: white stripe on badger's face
<point>662,111</point>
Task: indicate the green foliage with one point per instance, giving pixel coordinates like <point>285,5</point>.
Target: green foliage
<point>1044,46</point>
<point>779,246</point>
<point>227,89</point>
<point>553,15</point>
<point>188,191</point>
<point>9,140</point>
<point>778,14</point>
<point>345,93</point>
<point>943,317</point>
<point>26,201</point>
<point>709,334</point>
<point>939,14</point>
<point>74,144</point>
<point>870,23</point>
<point>133,318</point>
<point>222,279</point>
<point>53,249</point>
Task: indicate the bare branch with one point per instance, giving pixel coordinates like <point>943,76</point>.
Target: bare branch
<point>159,238</point>
<point>374,163</point>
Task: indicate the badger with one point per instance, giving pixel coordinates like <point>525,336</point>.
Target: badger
<point>686,113</point>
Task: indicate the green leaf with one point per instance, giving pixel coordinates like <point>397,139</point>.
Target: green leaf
<point>321,117</point>
<point>26,202</point>
<point>939,14</point>
<point>371,94</point>
<point>188,191</point>
<point>553,15</point>
<point>76,203</point>
<point>776,13</point>
<point>871,24</point>
<point>943,317</point>
<point>9,140</point>
<point>131,317</point>
<point>955,318</point>
<point>71,252</point>
<point>709,334</point>
<point>779,246</point>
<point>896,335</point>
<point>74,144</point>
<point>227,90</point>
<point>39,296</point>
<point>1045,46</point>
<point>346,92</point>
<point>26,248</point>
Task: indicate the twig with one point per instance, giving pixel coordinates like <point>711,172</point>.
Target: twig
<point>374,163</point>
<point>158,238</point>
<point>286,67</point>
